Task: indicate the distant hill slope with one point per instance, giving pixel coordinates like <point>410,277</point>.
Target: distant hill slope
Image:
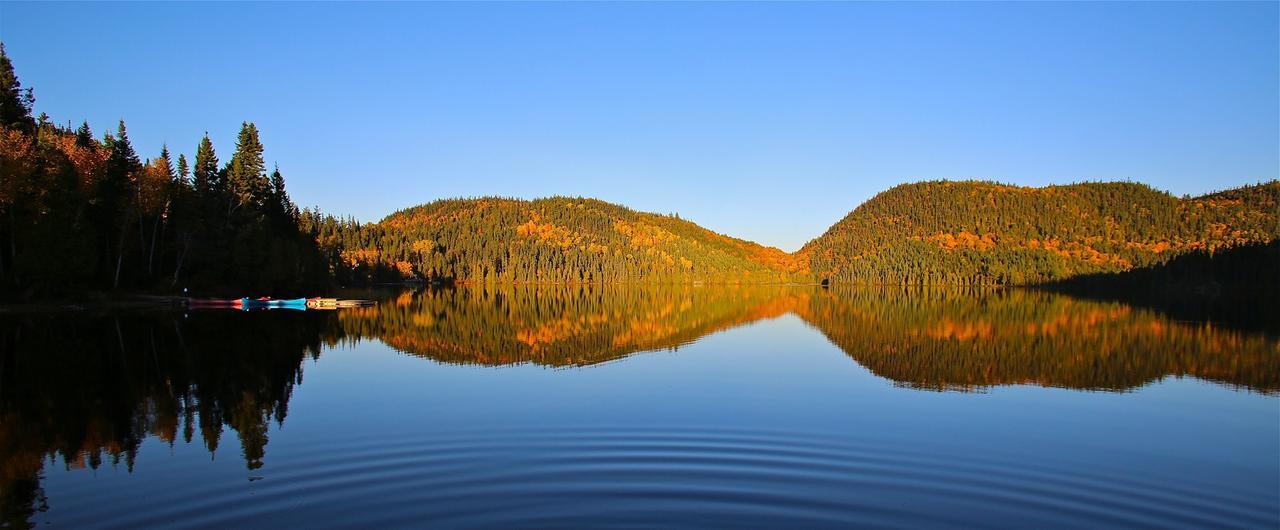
<point>560,239</point>
<point>983,232</point>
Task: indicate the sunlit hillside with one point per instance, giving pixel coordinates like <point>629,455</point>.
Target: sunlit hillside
<point>925,233</point>
<point>557,239</point>
<point>983,232</point>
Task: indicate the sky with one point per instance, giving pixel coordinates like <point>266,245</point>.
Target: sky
<point>765,121</point>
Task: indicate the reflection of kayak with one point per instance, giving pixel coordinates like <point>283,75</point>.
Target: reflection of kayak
<point>235,303</point>
<point>274,303</point>
<point>293,303</point>
<point>334,303</point>
<point>268,303</point>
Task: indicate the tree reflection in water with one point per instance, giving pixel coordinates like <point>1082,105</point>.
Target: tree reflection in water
<point>87,390</point>
<point>921,338</point>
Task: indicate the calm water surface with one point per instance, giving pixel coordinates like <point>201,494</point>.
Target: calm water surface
<point>644,407</point>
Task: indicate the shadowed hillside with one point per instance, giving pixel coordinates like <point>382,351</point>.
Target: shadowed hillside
<point>1238,286</point>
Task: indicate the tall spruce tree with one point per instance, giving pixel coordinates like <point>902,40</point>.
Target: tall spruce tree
<point>114,192</point>
<point>167,161</point>
<point>15,103</point>
<point>280,206</point>
<point>121,166</point>
<point>184,172</point>
<point>246,172</point>
<point>205,172</point>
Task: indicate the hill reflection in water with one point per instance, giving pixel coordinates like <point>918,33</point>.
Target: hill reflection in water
<point>918,338</point>
<point>83,391</point>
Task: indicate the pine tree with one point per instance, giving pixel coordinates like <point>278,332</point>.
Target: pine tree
<point>114,194</point>
<point>156,198</point>
<point>84,137</point>
<point>205,172</point>
<point>122,164</point>
<point>280,205</point>
<point>184,172</point>
<point>166,160</point>
<point>246,172</point>
<point>15,103</point>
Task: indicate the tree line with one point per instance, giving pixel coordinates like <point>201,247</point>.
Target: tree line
<point>82,212</point>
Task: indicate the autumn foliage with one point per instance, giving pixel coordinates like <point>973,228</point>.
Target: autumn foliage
<point>80,213</point>
<point>987,233</point>
<point>558,239</point>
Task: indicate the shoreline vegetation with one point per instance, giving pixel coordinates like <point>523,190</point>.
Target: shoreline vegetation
<point>85,222</point>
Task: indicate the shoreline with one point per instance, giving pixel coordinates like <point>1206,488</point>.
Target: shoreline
<point>95,302</point>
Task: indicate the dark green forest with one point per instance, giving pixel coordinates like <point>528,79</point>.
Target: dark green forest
<point>1237,286</point>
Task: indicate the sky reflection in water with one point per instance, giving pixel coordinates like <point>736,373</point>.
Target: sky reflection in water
<point>693,406</point>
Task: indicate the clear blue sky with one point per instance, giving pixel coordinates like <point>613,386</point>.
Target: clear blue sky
<point>763,121</point>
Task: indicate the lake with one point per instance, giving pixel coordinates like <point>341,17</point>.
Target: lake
<point>645,406</point>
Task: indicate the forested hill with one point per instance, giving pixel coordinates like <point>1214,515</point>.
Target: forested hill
<point>983,232</point>
<point>556,239</point>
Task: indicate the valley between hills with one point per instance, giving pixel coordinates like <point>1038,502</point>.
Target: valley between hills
<point>939,232</point>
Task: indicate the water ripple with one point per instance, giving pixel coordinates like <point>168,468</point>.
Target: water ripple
<point>680,477</point>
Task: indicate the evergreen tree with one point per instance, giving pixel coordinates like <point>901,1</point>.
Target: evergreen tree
<point>79,213</point>
<point>114,196</point>
<point>84,137</point>
<point>279,205</point>
<point>247,180</point>
<point>15,103</point>
<point>167,161</point>
<point>184,172</point>
<point>205,172</point>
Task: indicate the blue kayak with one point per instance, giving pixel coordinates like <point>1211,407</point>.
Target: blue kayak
<point>292,303</point>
